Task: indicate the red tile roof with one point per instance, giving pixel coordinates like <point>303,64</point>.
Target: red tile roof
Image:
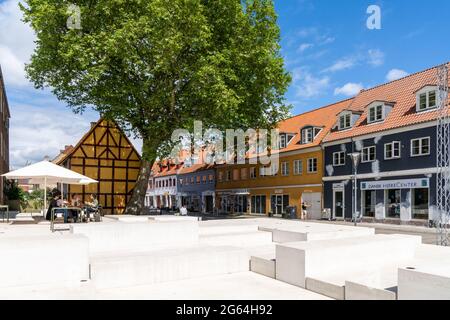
<point>402,93</point>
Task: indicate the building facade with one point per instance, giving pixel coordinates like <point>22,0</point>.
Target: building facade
<point>4,133</point>
<point>106,155</point>
<point>393,130</point>
<point>294,179</point>
<point>196,188</point>
<point>162,191</point>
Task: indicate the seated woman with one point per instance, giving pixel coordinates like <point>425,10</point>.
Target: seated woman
<point>92,205</point>
<point>75,202</point>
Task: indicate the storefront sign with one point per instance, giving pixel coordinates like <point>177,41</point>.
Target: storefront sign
<point>396,184</point>
<point>278,191</point>
<point>338,186</point>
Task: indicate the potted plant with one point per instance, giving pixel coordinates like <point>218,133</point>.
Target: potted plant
<point>15,196</point>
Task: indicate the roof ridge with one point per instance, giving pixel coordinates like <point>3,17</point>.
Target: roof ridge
<point>402,78</point>
<point>320,108</point>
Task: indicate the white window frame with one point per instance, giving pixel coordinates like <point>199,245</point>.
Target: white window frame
<point>338,156</point>
<point>421,146</point>
<point>283,142</point>
<point>307,134</point>
<point>368,154</point>
<point>309,162</point>
<point>349,115</point>
<point>427,93</point>
<point>392,144</point>
<point>285,169</point>
<point>376,119</point>
<point>298,167</point>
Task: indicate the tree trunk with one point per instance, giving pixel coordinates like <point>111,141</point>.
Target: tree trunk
<point>136,204</point>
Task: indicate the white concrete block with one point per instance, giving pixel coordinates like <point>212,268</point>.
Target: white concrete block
<point>297,261</point>
<point>328,289</point>
<point>34,260</point>
<point>226,229</point>
<point>241,240</point>
<point>357,291</point>
<point>424,283</point>
<point>119,237</point>
<point>168,218</point>
<point>166,265</point>
<point>264,264</point>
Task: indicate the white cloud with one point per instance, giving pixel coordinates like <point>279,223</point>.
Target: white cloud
<point>307,85</point>
<point>342,64</point>
<point>376,57</point>
<point>350,89</point>
<point>395,74</point>
<point>16,43</point>
<point>304,46</point>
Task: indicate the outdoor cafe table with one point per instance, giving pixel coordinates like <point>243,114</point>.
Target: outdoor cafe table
<point>52,221</point>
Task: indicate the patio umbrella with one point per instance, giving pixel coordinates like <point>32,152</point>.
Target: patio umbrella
<point>45,173</point>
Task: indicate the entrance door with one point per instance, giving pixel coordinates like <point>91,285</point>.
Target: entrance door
<point>209,204</point>
<point>338,204</point>
<point>314,203</point>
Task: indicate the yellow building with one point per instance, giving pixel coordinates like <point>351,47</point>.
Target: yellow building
<point>295,179</point>
<point>106,155</point>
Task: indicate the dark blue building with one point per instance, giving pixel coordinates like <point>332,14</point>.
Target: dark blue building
<point>392,129</point>
<point>196,188</point>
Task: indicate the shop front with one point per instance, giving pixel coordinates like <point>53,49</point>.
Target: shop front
<point>402,199</point>
<point>234,201</point>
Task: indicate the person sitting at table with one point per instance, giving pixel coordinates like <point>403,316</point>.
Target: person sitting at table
<point>53,204</point>
<point>92,205</point>
<point>75,202</point>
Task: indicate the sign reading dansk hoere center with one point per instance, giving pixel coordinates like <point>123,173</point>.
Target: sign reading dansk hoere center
<point>395,184</point>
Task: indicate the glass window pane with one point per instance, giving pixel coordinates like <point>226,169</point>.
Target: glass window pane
<point>420,203</point>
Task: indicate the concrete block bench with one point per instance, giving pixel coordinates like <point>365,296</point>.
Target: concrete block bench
<point>44,259</point>
<point>238,239</point>
<point>165,265</point>
<point>293,234</point>
<point>331,261</point>
<point>118,237</point>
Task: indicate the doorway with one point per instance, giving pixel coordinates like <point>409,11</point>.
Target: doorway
<point>338,204</point>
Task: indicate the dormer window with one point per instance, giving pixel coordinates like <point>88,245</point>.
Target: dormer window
<point>285,139</point>
<point>345,121</point>
<point>426,98</point>
<point>378,111</point>
<point>309,134</point>
<point>375,113</point>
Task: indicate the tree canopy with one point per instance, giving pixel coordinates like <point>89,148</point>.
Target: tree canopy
<point>158,65</point>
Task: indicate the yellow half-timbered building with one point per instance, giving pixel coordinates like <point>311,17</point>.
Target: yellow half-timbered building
<point>106,155</point>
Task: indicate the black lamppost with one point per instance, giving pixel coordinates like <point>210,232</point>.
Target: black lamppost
<point>356,157</point>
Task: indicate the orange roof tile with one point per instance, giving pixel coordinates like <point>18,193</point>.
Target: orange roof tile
<point>402,93</point>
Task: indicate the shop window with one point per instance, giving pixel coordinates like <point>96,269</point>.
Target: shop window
<point>369,203</point>
<point>258,204</point>
<point>279,203</point>
<point>420,203</point>
<point>393,203</point>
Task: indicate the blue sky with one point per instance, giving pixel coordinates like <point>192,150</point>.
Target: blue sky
<point>326,45</point>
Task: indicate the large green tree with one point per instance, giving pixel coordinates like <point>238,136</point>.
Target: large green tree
<point>157,65</point>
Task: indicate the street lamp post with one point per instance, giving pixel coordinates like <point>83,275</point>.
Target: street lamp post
<point>356,156</point>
